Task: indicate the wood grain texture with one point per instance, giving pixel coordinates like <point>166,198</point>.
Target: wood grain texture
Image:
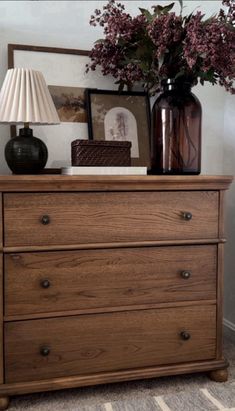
<point>89,279</point>
<point>120,313</point>
<point>102,310</point>
<point>220,298</point>
<point>97,246</point>
<point>95,343</point>
<point>110,377</point>
<point>1,223</point>
<point>54,183</point>
<point>221,213</point>
<point>113,217</point>
<point>1,321</point>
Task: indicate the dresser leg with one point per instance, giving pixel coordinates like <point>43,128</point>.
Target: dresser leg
<point>4,402</point>
<point>219,375</point>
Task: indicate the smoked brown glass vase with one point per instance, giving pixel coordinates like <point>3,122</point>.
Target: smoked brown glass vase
<point>176,130</point>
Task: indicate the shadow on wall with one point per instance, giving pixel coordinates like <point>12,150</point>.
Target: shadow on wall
<point>5,135</point>
<point>229,280</point>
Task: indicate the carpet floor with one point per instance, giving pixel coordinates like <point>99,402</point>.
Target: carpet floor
<point>194,392</point>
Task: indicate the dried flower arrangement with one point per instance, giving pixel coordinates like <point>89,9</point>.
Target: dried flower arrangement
<point>157,45</point>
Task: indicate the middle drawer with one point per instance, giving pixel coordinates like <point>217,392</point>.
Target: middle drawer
<point>89,279</point>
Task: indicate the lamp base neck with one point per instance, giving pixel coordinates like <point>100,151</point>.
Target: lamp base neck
<point>26,132</point>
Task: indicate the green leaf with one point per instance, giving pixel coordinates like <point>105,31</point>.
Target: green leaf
<point>209,19</point>
<point>229,26</point>
<point>157,9</point>
<point>99,41</point>
<point>181,73</point>
<point>146,13</point>
<point>210,76</point>
<point>181,6</point>
<point>162,9</point>
<point>186,19</point>
<point>121,85</point>
<point>168,8</point>
<point>160,61</point>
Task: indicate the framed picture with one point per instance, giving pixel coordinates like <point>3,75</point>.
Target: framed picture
<point>121,116</point>
<point>65,73</point>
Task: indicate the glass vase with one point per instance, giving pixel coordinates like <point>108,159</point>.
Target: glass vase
<point>176,130</point>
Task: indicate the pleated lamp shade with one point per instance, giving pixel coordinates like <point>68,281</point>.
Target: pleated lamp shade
<point>25,98</point>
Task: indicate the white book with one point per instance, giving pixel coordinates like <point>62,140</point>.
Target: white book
<point>92,171</point>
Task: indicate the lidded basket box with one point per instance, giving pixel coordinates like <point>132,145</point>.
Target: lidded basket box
<point>101,153</point>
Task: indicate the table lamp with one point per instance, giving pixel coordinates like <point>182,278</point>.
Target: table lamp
<point>24,99</point>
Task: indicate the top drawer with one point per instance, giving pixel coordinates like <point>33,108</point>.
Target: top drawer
<point>104,217</point>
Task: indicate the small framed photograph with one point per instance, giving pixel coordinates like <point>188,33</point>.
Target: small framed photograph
<point>121,116</point>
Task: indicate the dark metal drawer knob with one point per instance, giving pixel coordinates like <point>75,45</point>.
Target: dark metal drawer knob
<point>185,335</point>
<point>45,219</point>
<point>185,274</point>
<point>45,283</point>
<point>45,351</point>
<point>187,215</point>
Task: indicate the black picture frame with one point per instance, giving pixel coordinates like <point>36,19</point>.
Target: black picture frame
<point>123,116</point>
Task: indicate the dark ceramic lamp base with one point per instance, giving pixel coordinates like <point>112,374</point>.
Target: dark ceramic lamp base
<point>26,154</point>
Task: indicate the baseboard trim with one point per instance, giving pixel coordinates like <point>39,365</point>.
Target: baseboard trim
<point>229,324</point>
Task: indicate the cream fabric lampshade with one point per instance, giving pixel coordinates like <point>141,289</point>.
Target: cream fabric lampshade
<point>25,98</point>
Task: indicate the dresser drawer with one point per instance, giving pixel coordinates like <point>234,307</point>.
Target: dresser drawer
<point>85,218</point>
<point>88,279</point>
<point>41,349</point>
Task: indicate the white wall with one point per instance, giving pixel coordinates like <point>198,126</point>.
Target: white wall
<point>66,24</point>
<point>229,168</point>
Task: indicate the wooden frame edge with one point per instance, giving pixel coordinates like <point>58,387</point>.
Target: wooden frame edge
<point>10,51</point>
<point>94,91</point>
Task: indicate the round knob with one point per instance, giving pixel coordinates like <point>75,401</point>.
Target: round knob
<point>185,274</point>
<point>185,335</point>
<point>187,215</point>
<point>45,351</point>
<point>45,219</point>
<point>45,283</point>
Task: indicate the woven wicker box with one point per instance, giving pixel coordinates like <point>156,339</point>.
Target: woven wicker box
<point>101,153</point>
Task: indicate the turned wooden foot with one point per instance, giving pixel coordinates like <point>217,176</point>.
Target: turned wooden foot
<point>4,402</point>
<point>219,375</point>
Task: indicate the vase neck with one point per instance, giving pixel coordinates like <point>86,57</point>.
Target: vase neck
<point>178,85</point>
<point>26,132</point>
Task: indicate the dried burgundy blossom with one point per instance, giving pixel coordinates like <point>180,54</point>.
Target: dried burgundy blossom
<point>231,11</point>
<point>165,32</point>
<point>153,46</point>
<point>209,46</point>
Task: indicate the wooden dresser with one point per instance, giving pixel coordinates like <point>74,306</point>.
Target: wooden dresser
<point>109,279</point>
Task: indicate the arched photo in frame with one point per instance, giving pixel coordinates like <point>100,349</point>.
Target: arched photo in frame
<point>121,116</point>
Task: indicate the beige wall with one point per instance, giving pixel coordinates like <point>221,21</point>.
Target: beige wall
<point>229,168</point>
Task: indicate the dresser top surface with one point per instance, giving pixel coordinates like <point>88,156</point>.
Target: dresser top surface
<point>56,182</point>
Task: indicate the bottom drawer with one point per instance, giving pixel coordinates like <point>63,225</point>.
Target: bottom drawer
<point>86,344</point>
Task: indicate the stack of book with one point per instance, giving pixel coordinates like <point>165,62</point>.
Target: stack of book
<point>88,170</point>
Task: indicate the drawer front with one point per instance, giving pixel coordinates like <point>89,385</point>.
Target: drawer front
<point>85,218</point>
<point>41,349</point>
<point>89,279</point>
